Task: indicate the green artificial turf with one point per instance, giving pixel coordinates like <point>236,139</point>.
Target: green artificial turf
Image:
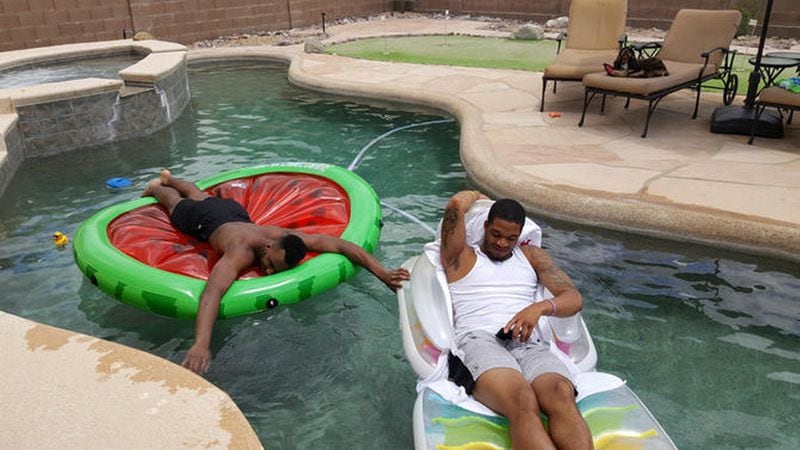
<point>453,51</point>
<point>742,69</point>
<point>470,51</point>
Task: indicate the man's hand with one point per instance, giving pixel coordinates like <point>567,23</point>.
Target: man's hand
<point>197,359</point>
<point>394,278</point>
<point>525,321</point>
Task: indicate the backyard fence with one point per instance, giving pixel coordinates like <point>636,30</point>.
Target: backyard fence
<point>37,23</point>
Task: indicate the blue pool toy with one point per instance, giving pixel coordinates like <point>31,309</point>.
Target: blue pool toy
<point>117,183</point>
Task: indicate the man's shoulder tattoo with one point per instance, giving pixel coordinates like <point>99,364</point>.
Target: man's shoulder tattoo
<point>449,222</point>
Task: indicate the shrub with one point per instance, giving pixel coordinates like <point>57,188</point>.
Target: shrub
<point>750,9</point>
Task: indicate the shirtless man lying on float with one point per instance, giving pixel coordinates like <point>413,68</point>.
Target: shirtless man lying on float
<point>225,224</point>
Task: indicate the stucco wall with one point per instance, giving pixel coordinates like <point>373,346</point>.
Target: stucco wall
<point>38,23</point>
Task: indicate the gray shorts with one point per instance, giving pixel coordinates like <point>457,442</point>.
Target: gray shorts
<point>483,351</point>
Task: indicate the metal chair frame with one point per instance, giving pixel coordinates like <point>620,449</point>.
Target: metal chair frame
<point>724,73</point>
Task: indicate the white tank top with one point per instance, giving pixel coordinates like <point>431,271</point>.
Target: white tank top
<point>492,292</point>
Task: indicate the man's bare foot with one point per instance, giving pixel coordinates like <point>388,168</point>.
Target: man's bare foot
<point>165,176</point>
<point>154,184</point>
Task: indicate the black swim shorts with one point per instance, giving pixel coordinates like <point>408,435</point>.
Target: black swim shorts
<point>200,219</point>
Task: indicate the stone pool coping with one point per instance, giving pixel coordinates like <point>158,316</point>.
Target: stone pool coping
<point>16,58</point>
<point>161,60</point>
<point>681,182</point>
<point>42,93</point>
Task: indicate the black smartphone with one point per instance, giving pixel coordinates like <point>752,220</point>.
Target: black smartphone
<point>503,335</point>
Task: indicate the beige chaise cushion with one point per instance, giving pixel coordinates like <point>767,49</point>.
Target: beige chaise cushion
<point>596,24</point>
<point>573,64</point>
<point>779,96</point>
<point>593,33</point>
<point>679,73</point>
<point>695,31</point>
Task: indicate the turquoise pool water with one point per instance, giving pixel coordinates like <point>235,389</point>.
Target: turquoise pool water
<point>101,67</point>
<point>707,338</point>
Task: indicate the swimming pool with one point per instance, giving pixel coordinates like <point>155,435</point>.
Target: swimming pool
<point>708,339</point>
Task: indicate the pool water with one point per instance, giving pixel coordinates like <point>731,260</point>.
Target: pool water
<point>708,339</point>
<point>100,67</point>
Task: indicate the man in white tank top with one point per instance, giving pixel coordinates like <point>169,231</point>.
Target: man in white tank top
<point>492,288</point>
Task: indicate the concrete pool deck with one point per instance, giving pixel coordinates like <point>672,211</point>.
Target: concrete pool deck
<point>68,390</point>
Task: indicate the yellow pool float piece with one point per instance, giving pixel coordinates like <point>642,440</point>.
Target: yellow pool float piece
<point>471,446</point>
<point>624,440</point>
<point>473,433</point>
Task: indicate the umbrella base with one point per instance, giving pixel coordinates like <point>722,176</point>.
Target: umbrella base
<point>739,120</point>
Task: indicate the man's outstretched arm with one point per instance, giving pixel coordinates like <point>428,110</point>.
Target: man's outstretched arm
<point>321,243</point>
<point>454,232</point>
<point>222,276</point>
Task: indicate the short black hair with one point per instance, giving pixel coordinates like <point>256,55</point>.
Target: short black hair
<point>507,209</point>
<point>294,247</point>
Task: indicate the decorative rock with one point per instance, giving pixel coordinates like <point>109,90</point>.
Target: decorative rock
<point>529,32</point>
<point>313,45</point>
<point>560,22</point>
<point>143,36</point>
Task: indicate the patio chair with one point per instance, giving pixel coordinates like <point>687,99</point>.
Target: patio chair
<point>595,33</point>
<point>695,51</point>
<point>775,97</point>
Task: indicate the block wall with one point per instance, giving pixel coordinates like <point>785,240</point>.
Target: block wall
<point>37,23</point>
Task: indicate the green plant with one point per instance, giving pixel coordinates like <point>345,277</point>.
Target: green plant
<point>750,9</point>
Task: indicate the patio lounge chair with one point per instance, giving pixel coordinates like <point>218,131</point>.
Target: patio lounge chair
<point>775,97</point>
<point>594,35</point>
<point>694,51</point>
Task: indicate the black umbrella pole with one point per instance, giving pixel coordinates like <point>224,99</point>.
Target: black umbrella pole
<point>755,75</point>
<point>752,88</point>
<point>741,119</point>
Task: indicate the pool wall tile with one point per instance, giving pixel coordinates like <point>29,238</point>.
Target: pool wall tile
<point>140,114</point>
<point>61,126</point>
<point>154,108</point>
<point>11,154</point>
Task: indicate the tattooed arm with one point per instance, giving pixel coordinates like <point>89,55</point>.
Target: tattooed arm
<point>456,256</point>
<point>566,299</point>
